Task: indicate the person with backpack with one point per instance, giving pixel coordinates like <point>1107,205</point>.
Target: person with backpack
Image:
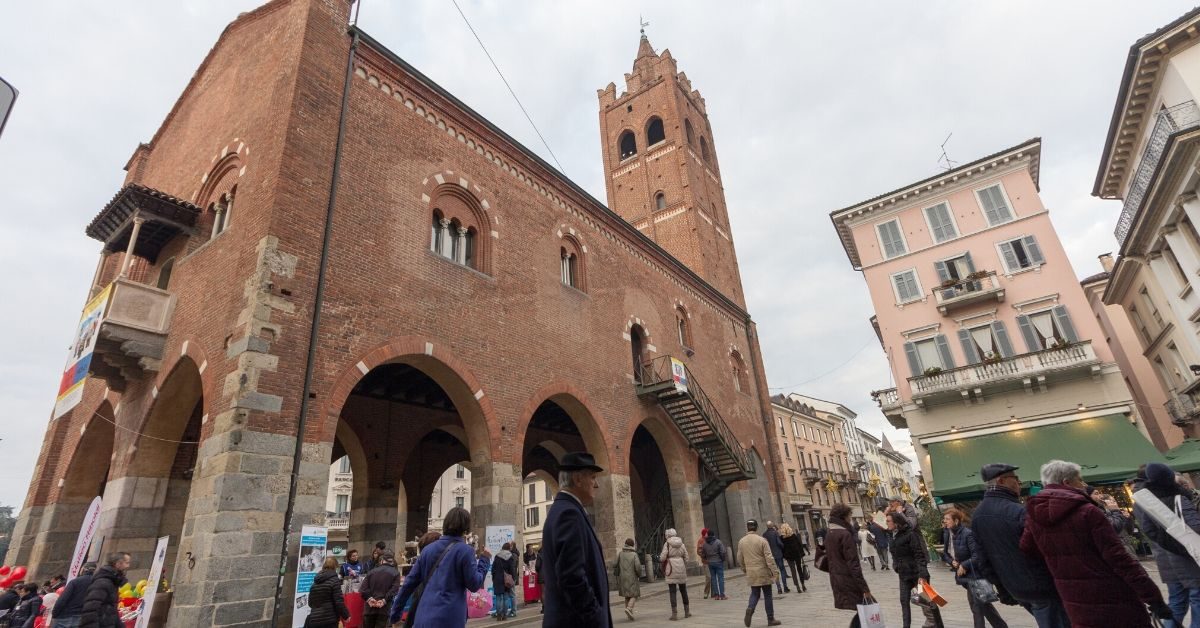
<point>793,555</point>
<point>504,579</point>
<point>378,590</point>
<point>713,553</point>
<point>441,577</point>
<point>1176,566</point>
<point>628,573</point>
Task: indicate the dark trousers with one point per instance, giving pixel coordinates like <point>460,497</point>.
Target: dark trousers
<point>981,612</point>
<point>682,593</point>
<point>765,592</point>
<point>906,587</point>
<point>794,566</point>
<point>379,620</point>
<point>883,557</point>
<point>1053,615</point>
<point>782,582</point>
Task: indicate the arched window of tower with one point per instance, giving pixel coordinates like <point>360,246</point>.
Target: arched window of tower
<point>687,129</point>
<point>627,145</point>
<point>660,201</point>
<point>703,148</point>
<point>654,131</point>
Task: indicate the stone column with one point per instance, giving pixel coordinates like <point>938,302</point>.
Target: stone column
<point>133,236</point>
<point>375,521</point>
<point>689,518</point>
<point>495,495</point>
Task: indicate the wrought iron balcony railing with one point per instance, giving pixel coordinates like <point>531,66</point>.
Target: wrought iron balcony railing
<point>1018,367</point>
<point>1172,120</point>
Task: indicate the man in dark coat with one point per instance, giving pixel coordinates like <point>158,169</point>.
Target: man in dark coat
<point>841,561</point>
<point>378,590</point>
<point>772,537</point>
<point>999,522</point>
<point>1176,567</point>
<point>70,604</point>
<point>1100,584</point>
<point>100,601</point>
<point>576,591</point>
<point>881,541</point>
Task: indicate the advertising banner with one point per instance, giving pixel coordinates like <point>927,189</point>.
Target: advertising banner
<point>312,554</point>
<point>156,568</point>
<point>79,358</point>
<point>679,375</point>
<point>86,532</point>
<point>495,538</point>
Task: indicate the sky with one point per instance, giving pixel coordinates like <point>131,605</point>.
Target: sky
<point>814,106</point>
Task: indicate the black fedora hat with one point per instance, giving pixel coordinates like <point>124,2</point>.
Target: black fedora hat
<point>578,461</point>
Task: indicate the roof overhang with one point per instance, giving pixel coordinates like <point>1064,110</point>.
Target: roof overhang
<point>1029,151</point>
<point>165,217</point>
<point>1132,110</point>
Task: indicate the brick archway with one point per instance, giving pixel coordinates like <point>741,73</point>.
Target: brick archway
<point>575,403</point>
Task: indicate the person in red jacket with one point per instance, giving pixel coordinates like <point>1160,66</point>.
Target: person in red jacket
<point>1100,584</point>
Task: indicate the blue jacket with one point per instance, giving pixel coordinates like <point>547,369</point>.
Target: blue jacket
<point>881,536</point>
<point>776,544</point>
<point>998,523</point>
<point>444,602</point>
<point>70,603</point>
<point>966,552</point>
<point>576,589</point>
<point>1175,565</point>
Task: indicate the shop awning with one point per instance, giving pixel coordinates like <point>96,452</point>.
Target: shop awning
<point>1109,449</point>
<point>1185,457</point>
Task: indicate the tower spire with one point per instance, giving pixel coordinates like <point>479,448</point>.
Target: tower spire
<point>644,47</point>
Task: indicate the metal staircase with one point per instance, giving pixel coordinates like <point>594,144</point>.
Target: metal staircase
<point>678,392</point>
<point>651,524</point>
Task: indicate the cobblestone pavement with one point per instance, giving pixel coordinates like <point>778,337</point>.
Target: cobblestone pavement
<point>812,608</point>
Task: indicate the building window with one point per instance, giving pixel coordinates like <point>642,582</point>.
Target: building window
<point>547,487</point>
<point>627,145</point>
<point>687,130</point>
<point>985,343</point>
<point>703,148</point>
<point>452,240</point>
<point>954,269</point>
<point>906,286</point>
<point>682,327</point>
<point>891,239</point>
<point>532,493</point>
<point>787,451</point>
<point>654,131</point>
<point>458,501</point>
<point>460,472</point>
<point>533,517</point>
<point>164,274</point>
<point>741,379</point>
<point>344,464</point>
<point>570,263</point>
<point>995,205</point>
<point>792,478</point>
<point>660,201</point>
<point>1021,253</point>
<point>1181,365</point>
<point>341,504</point>
<point>1151,307</point>
<point>1147,337</point>
<point>796,429</point>
<point>1047,329</point>
<point>941,223</point>
<point>930,353</point>
<point>222,210</point>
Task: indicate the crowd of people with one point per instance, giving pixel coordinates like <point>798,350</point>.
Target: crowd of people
<point>89,600</point>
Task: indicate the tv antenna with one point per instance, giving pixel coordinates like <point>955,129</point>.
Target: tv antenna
<point>945,161</point>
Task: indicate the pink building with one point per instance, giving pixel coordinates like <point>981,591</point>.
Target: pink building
<point>992,343</point>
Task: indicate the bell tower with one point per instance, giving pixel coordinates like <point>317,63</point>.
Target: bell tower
<point>661,170</point>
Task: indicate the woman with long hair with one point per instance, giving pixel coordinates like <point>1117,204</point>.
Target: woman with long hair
<point>839,556</point>
<point>793,555</point>
<point>960,553</point>
<point>441,577</point>
<point>325,603</point>
<point>910,561</point>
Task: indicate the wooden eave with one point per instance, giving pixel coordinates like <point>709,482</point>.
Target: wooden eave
<point>165,217</point>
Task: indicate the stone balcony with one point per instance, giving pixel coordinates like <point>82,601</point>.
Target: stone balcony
<point>1183,409</point>
<point>132,333</point>
<point>1028,370</point>
<point>890,403</point>
<point>977,288</point>
<point>338,522</point>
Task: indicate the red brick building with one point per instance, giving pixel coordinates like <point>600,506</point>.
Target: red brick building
<point>321,242</point>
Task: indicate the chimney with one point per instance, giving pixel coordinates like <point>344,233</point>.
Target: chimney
<point>1106,262</point>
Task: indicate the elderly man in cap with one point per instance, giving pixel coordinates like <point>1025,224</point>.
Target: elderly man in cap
<point>576,589</point>
<point>998,523</point>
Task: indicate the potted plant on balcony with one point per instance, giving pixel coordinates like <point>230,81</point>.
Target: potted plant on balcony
<point>1060,344</point>
<point>979,274</point>
<point>992,357</point>
<point>931,371</point>
<point>949,283</point>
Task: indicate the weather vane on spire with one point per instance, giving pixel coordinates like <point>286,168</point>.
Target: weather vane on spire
<point>643,23</point>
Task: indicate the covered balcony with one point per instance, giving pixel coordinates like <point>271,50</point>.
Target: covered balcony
<point>1029,370</point>
<point>974,288</point>
<point>131,332</point>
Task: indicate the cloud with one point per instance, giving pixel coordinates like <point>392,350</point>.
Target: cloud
<point>814,107</point>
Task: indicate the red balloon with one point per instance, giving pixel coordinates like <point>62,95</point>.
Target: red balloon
<point>7,582</point>
<point>4,570</point>
<point>18,573</point>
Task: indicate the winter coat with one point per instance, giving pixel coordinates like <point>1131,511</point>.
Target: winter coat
<point>70,603</point>
<point>998,523</point>
<point>1099,582</point>
<point>676,556</point>
<point>772,537</point>
<point>864,543</point>
<point>910,557</point>
<point>325,603</point>
<point>628,572</point>
<point>1175,565</point>
<point>443,603</point>
<point>881,537</point>
<point>576,592</point>
<point>351,570</point>
<point>754,557</point>
<point>713,551</point>
<point>28,607</point>
<point>100,601</point>
<point>793,549</point>
<point>9,600</point>
<point>966,552</point>
<point>382,584</point>
<point>845,569</point>
<point>501,565</point>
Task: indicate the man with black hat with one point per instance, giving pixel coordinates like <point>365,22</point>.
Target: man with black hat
<point>998,523</point>
<point>576,577</point>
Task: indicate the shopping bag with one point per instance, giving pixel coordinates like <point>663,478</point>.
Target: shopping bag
<point>871,615</point>
<point>479,603</point>
<point>933,595</point>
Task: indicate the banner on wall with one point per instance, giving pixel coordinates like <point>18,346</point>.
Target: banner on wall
<point>494,539</point>
<point>312,553</point>
<point>156,569</point>
<point>79,358</point>
<point>87,531</point>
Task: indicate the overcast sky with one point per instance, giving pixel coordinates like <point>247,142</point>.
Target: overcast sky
<point>813,107</point>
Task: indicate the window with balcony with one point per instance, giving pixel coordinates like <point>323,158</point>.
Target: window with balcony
<point>929,356</point>
<point>941,222</point>
<point>1021,254</point>
<point>891,239</point>
<point>995,205</point>
<point>792,478</point>
<point>906,286</point>
<point>955,268</point>
<point>1047,329</point>
<point>986,343</point>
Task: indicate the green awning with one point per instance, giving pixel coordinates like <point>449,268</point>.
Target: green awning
<point>1185,457</point>
<point>1109,449</point>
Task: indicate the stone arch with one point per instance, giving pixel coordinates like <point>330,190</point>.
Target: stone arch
<point>659,476</point>
<point>626,145</point>
<point>87,471</point>
<point>177,396</point>
<point>575,404</point>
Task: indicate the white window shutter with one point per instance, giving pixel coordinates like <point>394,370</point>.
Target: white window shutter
<point>1032,250</point>
<point>1011,263</point>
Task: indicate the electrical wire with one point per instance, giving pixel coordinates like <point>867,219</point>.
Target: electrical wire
<point>510,89</point>
<point>829,372</point>
<point>143,434</point>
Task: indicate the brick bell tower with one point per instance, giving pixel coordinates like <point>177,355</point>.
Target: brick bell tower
<point>661,169</point>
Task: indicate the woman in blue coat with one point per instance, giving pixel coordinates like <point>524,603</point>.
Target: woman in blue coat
<point>448,568</point>
<point>962,554</point>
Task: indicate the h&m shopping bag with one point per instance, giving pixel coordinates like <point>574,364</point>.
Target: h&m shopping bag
<point>870,615</point>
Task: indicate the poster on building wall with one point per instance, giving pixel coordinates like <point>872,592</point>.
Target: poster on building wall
<point>679,375</point>
<point>156,569</point>
<point>312,554</point>
<point>86,532</point>
<point>494,539</point>
<point>79,357</point>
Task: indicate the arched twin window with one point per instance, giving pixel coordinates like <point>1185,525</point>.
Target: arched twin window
<point>627,145</point>
<point>570,258</point>
<point>741,379</point>
<point>222,210</point>
<point>452,240</point>
<point>654,131</point>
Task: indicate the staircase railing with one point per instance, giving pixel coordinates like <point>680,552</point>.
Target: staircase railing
<point>657,518</point>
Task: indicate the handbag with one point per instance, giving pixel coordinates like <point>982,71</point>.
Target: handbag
<point>412,611</point>
<point>870,615</point>
<point>508,581</point>
<point>981,590</point>
<point>1172,522</point>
